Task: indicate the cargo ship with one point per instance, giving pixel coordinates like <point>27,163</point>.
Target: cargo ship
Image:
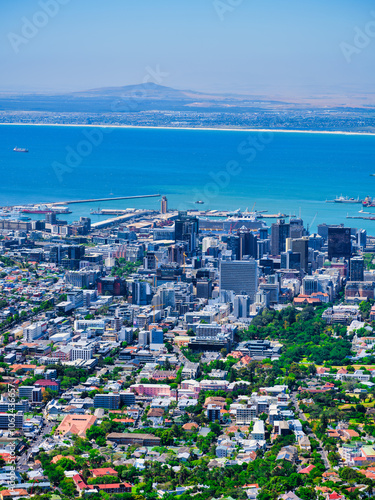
<point>20,150</point>
<point>344,199</point>
<point>44,209</point>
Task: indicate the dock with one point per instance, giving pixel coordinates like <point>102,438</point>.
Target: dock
<point>122,218</point>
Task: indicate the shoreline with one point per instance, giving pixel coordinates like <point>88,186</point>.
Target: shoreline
<point>212,129</point>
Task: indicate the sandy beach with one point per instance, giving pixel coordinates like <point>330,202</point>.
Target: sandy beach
<point>264,130</point>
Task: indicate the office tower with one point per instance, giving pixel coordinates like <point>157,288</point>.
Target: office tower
<point>323,232</point>
<point>356,269</point>
<point>290,260</point>
<point>143,338</point>
<point>315,241</point>
<point>76,252</point>
<point>204,288</point>
<point>164,205</point>
<point>241,306</point>
<point>186,229</point>
<point>296,228</point>
<point>339,242</point>
<point>110,401</point>
<point>263,233</point>
<point>263,248</point>
<point>267,265</point>
<point>213,413</point>
<point>301,246</point>
<point>141,293</point>
<point>233,244</point>
<point>239,276</point>
<point>248,244</point>
<point>208,242</point>
<point>150,261</point>
<point>112,285</point>
<point>156,339</point>
<point>279,233</point>
<point>51,218</point>
<point>176,254</point>
<point>86,223</point>
<point>361,237</point>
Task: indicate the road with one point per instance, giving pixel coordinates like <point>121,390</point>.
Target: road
<point>24,458</point>
<point>310,434</point>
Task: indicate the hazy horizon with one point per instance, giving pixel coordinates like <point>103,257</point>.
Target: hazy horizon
<point>278,49</point>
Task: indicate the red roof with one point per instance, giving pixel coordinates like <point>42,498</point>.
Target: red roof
<point>307,469</point>
<point>46,382</point>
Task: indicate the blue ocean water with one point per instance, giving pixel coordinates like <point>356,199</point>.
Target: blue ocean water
<point>288,172</point>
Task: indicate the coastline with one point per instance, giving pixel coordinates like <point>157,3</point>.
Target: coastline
<point>212,129</point>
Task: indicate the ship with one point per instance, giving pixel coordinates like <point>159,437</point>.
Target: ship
<point>20,150</point>
<point>44,209</point>
<point>368,202</point>
<point>344,199</point>
<point>199,202</point>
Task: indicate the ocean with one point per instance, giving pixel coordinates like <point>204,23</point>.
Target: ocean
<point>289,172</point>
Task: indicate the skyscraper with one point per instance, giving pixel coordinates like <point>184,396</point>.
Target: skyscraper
<point>339,242</point>
<point>279,233</point>
<point>239,276</point>
<point>248,244</point>
<point>301,246</point>
<point>186,229</point>
<point>241,306</point>
<point>356,269</point>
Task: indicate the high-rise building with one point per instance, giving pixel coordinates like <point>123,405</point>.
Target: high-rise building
<point>156,339</point>
<point>143,338</point>
<point>361,238</point>
<point>186,229</point>
<point>279,233</point>
<point>213,413</point>
<point>315,241</point>
<point>233,244</point>
<point>111,284</point>
<point>301,246</point>
<point>296,227</point>
<point>86,223</point>
<point>141,293</point>
<point>51,218</point>
<point>248,244</point>
<point>164,205</point>
<point>290,260</point>
<point>239,276</point>
<point>204,288</point>
<point>241,306</point>
<point>339,242</point>
<point>357,269</point>
<point>176,254</point>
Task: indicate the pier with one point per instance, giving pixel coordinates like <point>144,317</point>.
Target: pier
<point>92,200</point>
<point>122,218</point>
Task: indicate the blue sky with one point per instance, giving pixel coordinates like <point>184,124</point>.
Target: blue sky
<point>266,47</point>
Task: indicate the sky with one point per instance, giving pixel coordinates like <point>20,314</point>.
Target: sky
<point>267,47</point>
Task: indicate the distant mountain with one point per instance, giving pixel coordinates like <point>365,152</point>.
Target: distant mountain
<point>148,90</point>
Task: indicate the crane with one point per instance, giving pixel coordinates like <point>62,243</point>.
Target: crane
<point>312,222</point>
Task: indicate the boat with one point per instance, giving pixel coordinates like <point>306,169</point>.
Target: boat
<point>20,150</point>
<point>368,202</point>
<point>44,209</point>
<point>344,199</point>
<point>199,202</point>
